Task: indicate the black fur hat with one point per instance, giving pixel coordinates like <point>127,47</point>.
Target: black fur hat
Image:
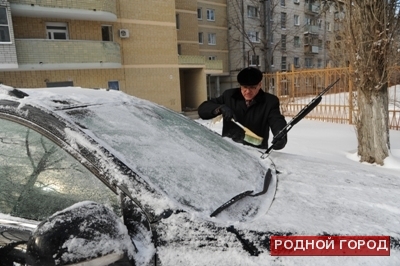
<point>249,76</point>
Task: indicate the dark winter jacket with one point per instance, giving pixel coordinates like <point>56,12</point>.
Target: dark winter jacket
<point>262,114</point>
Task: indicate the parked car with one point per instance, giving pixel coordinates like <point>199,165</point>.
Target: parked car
<point>70,155</point>
<point>98,177</point>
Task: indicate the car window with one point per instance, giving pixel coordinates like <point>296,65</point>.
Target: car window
<point>38,178</point>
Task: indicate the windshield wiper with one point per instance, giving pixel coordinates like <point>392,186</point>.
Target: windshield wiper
<point>267,181</point>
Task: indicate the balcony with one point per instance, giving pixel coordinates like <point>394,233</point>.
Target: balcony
<point>312,29</point>
<point>73,9</point>
<point>196,61</point>
<point>39,54</point>
<point>311,49</point>
<point>312,8</point>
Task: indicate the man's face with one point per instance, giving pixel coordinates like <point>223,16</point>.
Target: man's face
<point>249,92</point>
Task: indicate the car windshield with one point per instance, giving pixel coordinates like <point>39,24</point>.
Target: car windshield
<point>184,159</point>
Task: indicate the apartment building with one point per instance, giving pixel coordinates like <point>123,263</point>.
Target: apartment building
<point>202,35</point>
<point>279,35</point>
<point>213,39</point>
<point>174,52</point>
<point>148,49</point>
<point>303,34</point>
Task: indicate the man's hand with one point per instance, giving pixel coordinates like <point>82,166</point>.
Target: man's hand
<point>226,112</point>
<point>280,144</point>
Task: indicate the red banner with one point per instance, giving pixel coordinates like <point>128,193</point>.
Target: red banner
<point>330,245</point>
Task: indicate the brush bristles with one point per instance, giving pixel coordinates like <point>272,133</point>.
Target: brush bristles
<point>255,140</point>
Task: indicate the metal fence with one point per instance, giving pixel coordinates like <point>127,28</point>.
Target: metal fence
<point>296,89</point>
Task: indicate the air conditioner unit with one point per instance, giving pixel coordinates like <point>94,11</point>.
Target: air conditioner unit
<point>124,33</point>
<point>297,1</point>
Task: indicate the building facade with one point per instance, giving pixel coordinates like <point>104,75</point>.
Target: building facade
<point>176,53</point>
<point>135,46</point>
<point>279,35</point>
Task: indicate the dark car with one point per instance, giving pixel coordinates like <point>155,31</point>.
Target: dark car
<point>93,175</point>
<point>98,177</point>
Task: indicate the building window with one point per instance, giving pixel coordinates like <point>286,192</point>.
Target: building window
<point>254,60</point>
<point>296,20</point>
<point>177,21</point>
<point>200,37</point>
<point>307,20</point>
<point>113,85</point>
<point>296,40</point>
<point>107,33</point>
<point>212,57</point>
<point>199,14</point>
<point>307,40</point>
<point>283,42</point>
<point>283,20</point>
<point>319,63</point>
<point>296,62</point>
<point>283,63</point>
<point>4,27</point>
<point>283,3</point>
<point>254,36</point>
<point>179,48</point>
<point>57,31</point>
<point>319,23</point>
<point>252,12</point>
<point>328,26</point>
<point>212,39</point>
<point>308,62</point>
<point>210,14</point>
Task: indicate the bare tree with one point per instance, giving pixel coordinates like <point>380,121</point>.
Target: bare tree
<point>366,42</point>
<point>252,24</point>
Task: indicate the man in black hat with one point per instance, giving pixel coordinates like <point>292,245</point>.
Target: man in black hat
<point>250,106</point>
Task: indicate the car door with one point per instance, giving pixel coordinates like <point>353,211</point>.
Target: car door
<point>37,179</point>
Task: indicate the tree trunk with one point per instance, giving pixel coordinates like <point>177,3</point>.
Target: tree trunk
<point>372,125</point>
<point>369,28</point>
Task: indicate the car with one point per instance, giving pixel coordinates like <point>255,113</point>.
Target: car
<point>74,161</point>
<point>99,177</point>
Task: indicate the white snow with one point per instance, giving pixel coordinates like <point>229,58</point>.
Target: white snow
<point>320,169</point>
<point>322,188</point>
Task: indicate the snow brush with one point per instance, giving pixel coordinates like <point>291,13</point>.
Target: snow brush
<point>303,112</point>
<point>249,136</point>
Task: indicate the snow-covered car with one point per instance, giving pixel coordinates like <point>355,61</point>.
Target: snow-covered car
<point>98,177</point>
<point>70,155</point>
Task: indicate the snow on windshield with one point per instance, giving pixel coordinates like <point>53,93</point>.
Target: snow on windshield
<point>191,164</point>
<point>184,159</point>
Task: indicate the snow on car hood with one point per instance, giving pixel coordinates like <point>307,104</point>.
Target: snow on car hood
<point>185,160</point>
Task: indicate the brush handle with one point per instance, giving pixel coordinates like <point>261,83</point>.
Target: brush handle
<point>240,125</point>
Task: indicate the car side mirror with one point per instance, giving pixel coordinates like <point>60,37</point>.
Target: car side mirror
<point>85,232</point>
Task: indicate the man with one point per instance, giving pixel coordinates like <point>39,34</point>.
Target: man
<point>250,106</point>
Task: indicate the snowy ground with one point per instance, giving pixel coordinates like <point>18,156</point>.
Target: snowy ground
<point>324,156</point>
<point>322,188</point>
